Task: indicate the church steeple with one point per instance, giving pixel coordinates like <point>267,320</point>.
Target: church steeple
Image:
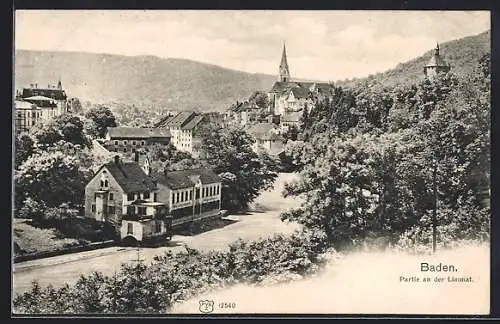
<point>284,71</point>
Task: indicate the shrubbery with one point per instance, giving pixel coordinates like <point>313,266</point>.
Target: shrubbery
<point>174,278</point>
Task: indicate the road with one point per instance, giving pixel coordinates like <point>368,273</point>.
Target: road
<point>263,221</point>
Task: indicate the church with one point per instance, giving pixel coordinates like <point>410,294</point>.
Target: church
<point>288,97</point>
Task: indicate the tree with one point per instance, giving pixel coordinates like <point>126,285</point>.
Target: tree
<point>75,106</point>
<point>260,99</point>
<point>50,177</point>
<point>65,127</point>
<point>245,173</point>
<point>24,148</point>
<point>103,118</point>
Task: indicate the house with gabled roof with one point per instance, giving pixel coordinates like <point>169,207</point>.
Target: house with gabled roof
<point>130,139</point>
<point>124,196</point>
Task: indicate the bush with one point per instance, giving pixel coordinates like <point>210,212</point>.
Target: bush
<point>174,278</point>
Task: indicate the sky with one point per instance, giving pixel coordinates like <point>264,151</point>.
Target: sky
<point>321,45</point>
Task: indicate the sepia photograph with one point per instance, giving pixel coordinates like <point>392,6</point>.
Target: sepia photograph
<point>208,162</point>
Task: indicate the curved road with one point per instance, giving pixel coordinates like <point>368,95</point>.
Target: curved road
<point>67,268</point>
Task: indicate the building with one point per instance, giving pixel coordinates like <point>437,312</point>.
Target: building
<point>27,115</point>
<point>267,137</point>
<point>124,196</point>
<point>53,99</point>
<point>190,194</point>
<point>436,65</point>
<point>287,95</point>
<point>143,206</point>
<point>184,129</point>
<point>130,139</point>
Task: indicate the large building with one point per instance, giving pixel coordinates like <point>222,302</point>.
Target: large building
<point>53,99</point>
<point>184,128</point>
<point>143,205</point>
<point>27,115</point>
<point>288,97</point>
<point>267,138</point>
<point>436,65</point>
<point>130,139</point>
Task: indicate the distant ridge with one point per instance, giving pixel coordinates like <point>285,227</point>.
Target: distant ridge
<point>175,84</point>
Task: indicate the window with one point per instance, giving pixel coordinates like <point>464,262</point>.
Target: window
<point>146,195</point>
<point>190,195</point>
<point>211,191</point>
<point>218,189</point>
<point>105,183</point>
<point>142,143</point>
<point>124,142</point>
<point>93,208</point>
<point>155,196</point>
<point>141,210</point>
<point>177,197</point>
<point>111,196</point>
<point>182,196</point>
<point>158,226</point>
<point>125,150</point>
<point>102,183</point>
<point>133,142</point>
<point>130,196</point>
<point>130,228</point>
<point>116,142</point>
<point>111,210</point>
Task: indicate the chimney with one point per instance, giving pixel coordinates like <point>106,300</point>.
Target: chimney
<point>32,85</point>
<point>117,159</point>
<point>36,85</point>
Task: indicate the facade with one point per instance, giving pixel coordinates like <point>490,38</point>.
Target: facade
<point>436,65</point>
<point>287,95</point>
<point>142,206</point>
<point>121,193</point>
<point>183,129</point>
<point>190,194</point>
<point>267,137</point>
<point>53,99</point>
<point>130,139</point>
<point>27,115</point>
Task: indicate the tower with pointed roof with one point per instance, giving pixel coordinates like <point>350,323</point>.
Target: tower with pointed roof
<point>284,71</point>
<point>436,65</point>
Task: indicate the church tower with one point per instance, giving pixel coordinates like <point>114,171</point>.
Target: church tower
<point>436,65</point>
<point>284,71</point>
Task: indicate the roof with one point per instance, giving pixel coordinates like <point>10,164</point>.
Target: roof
<point>55,94</point>
<point>300,92</point>
<point>181,119</point>
<point>25,105</point>
<point>292,116</point>
<point>130,176</point>
<point>280,86</point>
<point>185,179</point>
<point>193,123</point>
<point>164,121</point>
<point>261,128</point>
<point>39,98</point>
<point>137,132</point>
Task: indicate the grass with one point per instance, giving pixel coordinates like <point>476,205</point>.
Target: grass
<point>29,239</point>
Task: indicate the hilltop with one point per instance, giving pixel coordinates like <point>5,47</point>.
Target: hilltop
<point>175,84</point>
<point>462,54</point>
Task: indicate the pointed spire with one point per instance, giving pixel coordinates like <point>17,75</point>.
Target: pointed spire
<point>284,70</point>
<point>436,50</point>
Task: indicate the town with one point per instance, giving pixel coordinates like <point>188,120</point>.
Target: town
<point>151,184</point>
